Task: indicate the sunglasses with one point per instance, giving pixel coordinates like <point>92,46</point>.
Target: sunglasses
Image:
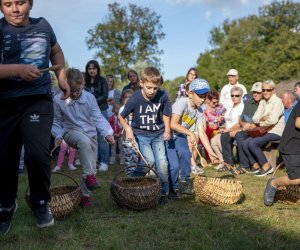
<point>235,95</point>
<point>267,90</point>
<point>255,92</point>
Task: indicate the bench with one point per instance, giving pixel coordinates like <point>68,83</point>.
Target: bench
<point>270,151</point>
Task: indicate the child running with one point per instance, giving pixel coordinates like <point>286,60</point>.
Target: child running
<point>26,110</point>
<point>186,112</point>
<point>150,124</point>
<point>76,120</point>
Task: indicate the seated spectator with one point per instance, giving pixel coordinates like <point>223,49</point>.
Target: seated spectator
<point>213,113</point>
<point>297,89</point>
<point>269,112</point>
<point>238,133</point>
<point>231,118</point>
<point>289,101</point>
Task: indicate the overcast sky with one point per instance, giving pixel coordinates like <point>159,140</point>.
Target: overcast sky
<point>186,24</point>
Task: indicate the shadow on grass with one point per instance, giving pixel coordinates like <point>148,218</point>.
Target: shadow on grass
<point>183,224</point>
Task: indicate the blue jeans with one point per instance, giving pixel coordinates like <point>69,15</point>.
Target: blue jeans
<point>103,146</point>
<point>253,147</point>
<point>153,150</point>
<point>179,157</point>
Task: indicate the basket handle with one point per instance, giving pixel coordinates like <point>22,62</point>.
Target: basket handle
<point>123,169</point>
<point>58,173</point>
<point>66,175</point>
<point>277,167</point>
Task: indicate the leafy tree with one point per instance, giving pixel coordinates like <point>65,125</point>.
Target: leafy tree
<point>126,36</point>
<point>261,47</point>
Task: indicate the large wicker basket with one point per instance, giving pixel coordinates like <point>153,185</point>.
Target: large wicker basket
<point>218,191</point>
<point>64,199</point>
<point>136,193</point>
<point>288,195</point>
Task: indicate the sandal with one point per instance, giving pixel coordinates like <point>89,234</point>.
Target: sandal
<point>242,170</point>
<point>223,169</point>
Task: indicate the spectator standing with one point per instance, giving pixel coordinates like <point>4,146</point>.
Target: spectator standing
<point>190,76</point>
<point>26,110</point>
<point>225,98</point>
<point>97,85</point>
<point>133,78</point>
<point>116,126</point>
<point>114,95</point>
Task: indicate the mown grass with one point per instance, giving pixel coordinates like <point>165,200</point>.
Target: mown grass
<point>184,224</point>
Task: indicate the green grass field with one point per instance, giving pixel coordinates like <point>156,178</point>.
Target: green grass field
<point>184,224</point>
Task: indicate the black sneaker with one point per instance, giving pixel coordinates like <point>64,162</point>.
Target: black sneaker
<point>6,215</point>
<point>43,214</point>
<point>174,195</point>
<point>163,200</point>
<point>263,172</point>
<point>269,194</point>
<point>185,187</point>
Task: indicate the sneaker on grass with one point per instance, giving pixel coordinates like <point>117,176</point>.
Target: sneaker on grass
<point>43,214</point>
<point>85,202</point>
<point>91,182</point>
<point>71,167</point>
<point>185,187</point>
<point>57,169</point>
<point>103,167</point>
<point>6,215</point>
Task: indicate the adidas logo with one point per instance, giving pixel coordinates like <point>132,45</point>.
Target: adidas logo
<point>34,118</point>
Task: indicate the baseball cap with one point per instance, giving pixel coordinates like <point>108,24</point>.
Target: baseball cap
<point>199,86</point>
<point>256,87</point>
<point>232,72</point>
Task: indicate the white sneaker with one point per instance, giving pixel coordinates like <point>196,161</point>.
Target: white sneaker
<point>57,169</point>
<point>77,162</point>
<point>71,167</point>
<point>103,167</point>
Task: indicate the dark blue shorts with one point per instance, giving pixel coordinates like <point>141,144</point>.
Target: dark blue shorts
<point>292,165</point>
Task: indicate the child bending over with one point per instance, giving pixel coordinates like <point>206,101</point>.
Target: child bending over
<point>76,120</point>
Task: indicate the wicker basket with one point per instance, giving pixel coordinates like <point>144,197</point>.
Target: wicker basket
<point>289,195</point>
<point>64,199</point>
<point>218,191</point>
<point>136,193</point>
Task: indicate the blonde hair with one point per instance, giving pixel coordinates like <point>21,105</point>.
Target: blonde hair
<point>151,74</point>
<point>270,83</point>
<point>74,76</point>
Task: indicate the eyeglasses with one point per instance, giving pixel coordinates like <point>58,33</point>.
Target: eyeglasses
<point>73,91</point>
<point>235,95</point>
<point>255,92</point>
<point>267,90</point>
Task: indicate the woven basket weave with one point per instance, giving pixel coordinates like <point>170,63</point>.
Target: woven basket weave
<point>289,195</point>
<point>136,193</point>
<point>218,191</point>
<point>64,199</point>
